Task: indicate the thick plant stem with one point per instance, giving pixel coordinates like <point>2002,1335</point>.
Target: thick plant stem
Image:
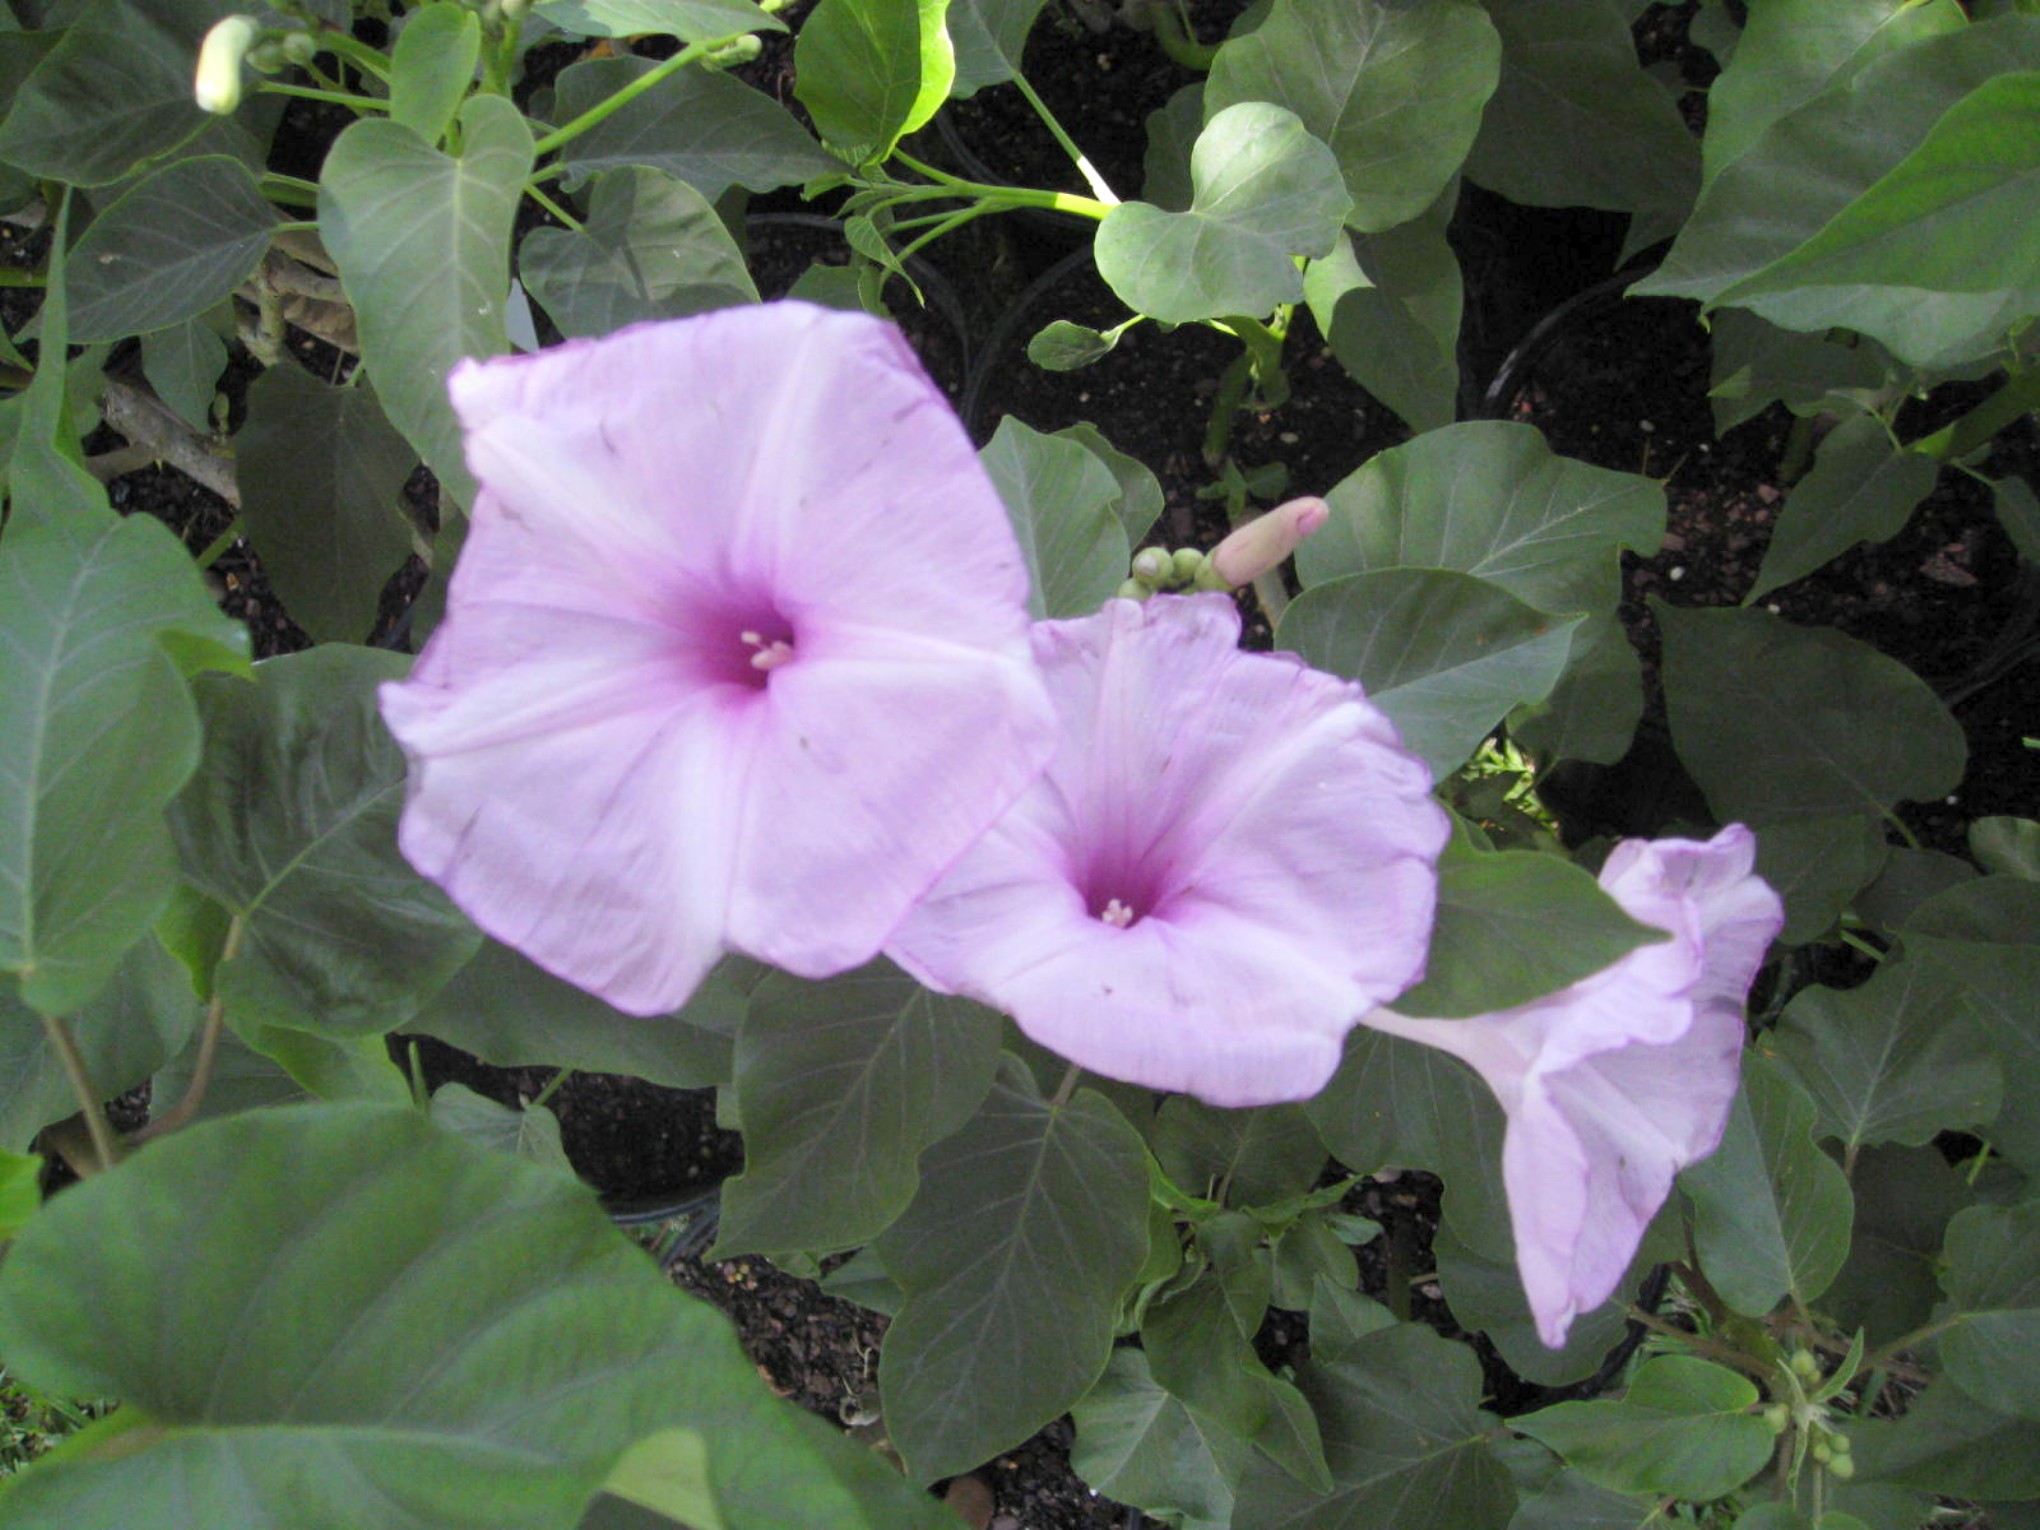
<point>601,111</point>
<point>90,1106</point>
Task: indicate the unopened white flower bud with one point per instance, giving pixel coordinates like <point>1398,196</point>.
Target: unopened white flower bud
<point>217,85</point>
<point>1261,544</point>
<point>1151,566</point>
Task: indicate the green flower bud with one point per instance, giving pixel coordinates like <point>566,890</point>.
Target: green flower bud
<point>1187,562</point>
<point>1843,1467</point>
<point>1777,1418</point>
<point>1821,1453</point>
<point>1805,1365</point>
<point>1151,566</point>
<point>1133,589</point>
<point>268,57</point>
<point>217,85</point>
<point>1209,578</point>
<point>1839,1443</point>
<point>742,51</point>
<point>300,47</point>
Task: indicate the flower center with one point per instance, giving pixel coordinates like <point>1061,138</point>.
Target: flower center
<point>769,655</point>
<point>1116,914</point>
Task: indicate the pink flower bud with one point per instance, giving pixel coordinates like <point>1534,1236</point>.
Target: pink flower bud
<point>1261,544</point>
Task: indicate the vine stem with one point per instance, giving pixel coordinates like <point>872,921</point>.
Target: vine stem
<point>1067,1088</point>
<point>312,93</point>
<point>208,1046</point>
<point>89,1104</point>
<point>2020,395</point>
<point>601,111</point>
<point>1084,166</point>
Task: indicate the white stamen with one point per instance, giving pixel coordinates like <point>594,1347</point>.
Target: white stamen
<point>769,655</point>
<point>1117,914</point>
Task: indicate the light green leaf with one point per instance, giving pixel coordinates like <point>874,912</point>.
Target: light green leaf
<point>990,36</point>
<point>1895,1060</point>
<point>1779,722</point>
<point>1992,1275</point>
<point>1861,489</point>
<point>1063,502</point>
<point>841,1085</point>
<point>183,364</point>
<point>1258,1156</point>
<point>1791,50</point>
<point>653,248</point>
<point>423,245</point>
<point>1141,500</point>
<point>512,1013</point>
<point>1953,216</point>
<point>433,67</point>
<point>291,824</point>
<point>1061,346</point>
<point>1444,654</point>
<point>20,1192</point>
<point>114,92</point>
<point>1685,1429</point>
<point>1405,1438</point>
<point>871,71</point>
<point>1771,1210</point>
<point>1982,939</point>
<point>39,432</point>
<point>1513,926</point>
<point>1570,77</point>
<point>322,472</point>
<point>1028,1227</point>
<point>393,1330</point>
<point>710,130</point>
<point>691,21</point>
<point>1396,91</point>
<point>533,1132</point>
<point>175,245</point>
<point>1817,866</point>
<point>1807,170</point>
<point>1142,1446</point>
<point>1904,1198</point>
<point>1266,191</point>
<point>96,620</point>
<point>1389,306</point>
<point>2007,846</point>
<point>123,1034</point>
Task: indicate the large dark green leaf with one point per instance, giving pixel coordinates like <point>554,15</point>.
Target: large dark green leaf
<point>1895,1060</point>
<point>113,92</point>
<point>1028,1227</point>
<point>512,1013</point>
<point>1686,1428</point>
<point>652,248</point>
<point>1950,1443</point>
<point>1513,926</point>
<point>96,619</point>
<point>321,470</point>
<point>1063,502</point>
<point>391,1329</point>
<point>1862,489</point>
<point>290,823</point>
<point>1570,77</point>
<point>1446,655</point>
<point>1395,90</point>
<point>1904,1198</point>
<point>126,1031</point>
<point>1771,1210</point>
<point>172,247</point>
<point>1780,722</point>
<point>711,131</point>
<point>1486,1296</point>
<point>1406,1440</point>
<point>1265,192</point>
<point>871,71</point>
<point>1992,1275</point>
<point>990,36</point>
<point>1144,1447</point>
<point>1252,1157</point>
<point>1817,866</point>
<point>1982,938</point>
<point>423,244</point>
<point>840,1086</point>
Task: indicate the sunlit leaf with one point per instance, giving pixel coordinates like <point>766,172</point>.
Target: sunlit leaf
<point>871,71</point>
<point>432,67</point>
<point>689,20</point>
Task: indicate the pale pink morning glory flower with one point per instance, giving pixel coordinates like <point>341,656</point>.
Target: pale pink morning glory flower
<point>736,655</point>
<point>1229,860</point>
<point>1613,1085</point>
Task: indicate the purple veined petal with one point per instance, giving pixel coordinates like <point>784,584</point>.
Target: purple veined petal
<point>1228,860</point>
<point>1613,1085</point>
<point>736,655</point>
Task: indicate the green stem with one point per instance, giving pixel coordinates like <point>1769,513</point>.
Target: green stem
<point>551,1088</point>
<point>553,207</point>
<point>1911,839</point>
<point>1225,403</point>
<point>208,1045</point>
<point>2019,396</point>
<point>602,111</point>
<point>1798,450</point>
<point>297,226</point>
<point>336,97</point>
<point>11,276</point>
<point>995,198</point>
<point>219,544</point>
<point>943,226</point>
<point>1882,1357</point>
<point>1172,31</point>
<point>358,53</point>
<point>503,59</point>
<point>1084,166</point>
<point>89,1104</point>
<point>1856,942</point>
<point>288,188</point>
<point>1067,1088</point>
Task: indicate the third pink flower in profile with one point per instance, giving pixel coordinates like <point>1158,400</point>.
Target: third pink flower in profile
<point>1228,861</point>
<point>1613,1085</point>
<point>736,655</point>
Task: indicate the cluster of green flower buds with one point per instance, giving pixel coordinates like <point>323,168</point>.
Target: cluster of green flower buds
<point>1828,1446</point>
<point>1156,569</point>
